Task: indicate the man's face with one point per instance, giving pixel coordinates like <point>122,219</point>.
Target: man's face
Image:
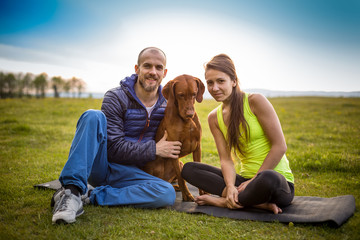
<point>151,70</point>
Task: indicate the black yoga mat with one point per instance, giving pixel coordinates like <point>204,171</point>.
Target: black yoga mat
<point>335,211</point>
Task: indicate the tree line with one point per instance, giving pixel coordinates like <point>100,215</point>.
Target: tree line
<point>18,85</point>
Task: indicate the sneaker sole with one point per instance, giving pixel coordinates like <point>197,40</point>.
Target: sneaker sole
<point>63,221</point>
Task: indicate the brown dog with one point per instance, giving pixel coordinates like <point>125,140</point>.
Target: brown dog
<point>182,124</point>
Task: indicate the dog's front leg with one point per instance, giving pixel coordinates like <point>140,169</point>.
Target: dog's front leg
<point>197,154</point>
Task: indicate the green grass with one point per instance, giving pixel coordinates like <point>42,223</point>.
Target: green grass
<point>322,135</point>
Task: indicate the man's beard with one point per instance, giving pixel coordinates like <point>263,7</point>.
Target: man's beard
<point>148,88</point>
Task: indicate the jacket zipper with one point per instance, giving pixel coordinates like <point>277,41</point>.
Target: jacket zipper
<point>146,126</point>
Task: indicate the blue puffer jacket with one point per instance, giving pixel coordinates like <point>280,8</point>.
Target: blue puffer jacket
<point>130,131</point>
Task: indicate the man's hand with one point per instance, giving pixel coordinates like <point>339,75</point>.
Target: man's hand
<point>168,149</point>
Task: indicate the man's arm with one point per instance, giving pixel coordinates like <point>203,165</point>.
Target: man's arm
<point>120,150</point>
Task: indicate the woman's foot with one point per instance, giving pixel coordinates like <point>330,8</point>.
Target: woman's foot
<point>272,207</point>
<point>213,201</point>
<point>221,202</point>
<point>210,200</point>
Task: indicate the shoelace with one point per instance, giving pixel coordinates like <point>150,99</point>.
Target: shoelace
<point>64,202</point>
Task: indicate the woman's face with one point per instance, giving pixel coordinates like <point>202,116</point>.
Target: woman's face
<point>219,84</point>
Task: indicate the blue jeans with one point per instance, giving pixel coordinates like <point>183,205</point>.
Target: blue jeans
<point>115,184</point>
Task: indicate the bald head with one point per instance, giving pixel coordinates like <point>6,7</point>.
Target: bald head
<point>153,50</point>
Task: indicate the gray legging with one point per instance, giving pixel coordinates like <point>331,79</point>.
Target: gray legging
<point>268,186</point>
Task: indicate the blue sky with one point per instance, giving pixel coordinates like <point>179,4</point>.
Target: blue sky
<point>275,44</point>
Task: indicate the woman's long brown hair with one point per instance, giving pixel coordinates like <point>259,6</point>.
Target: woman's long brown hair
<point>223,63</point>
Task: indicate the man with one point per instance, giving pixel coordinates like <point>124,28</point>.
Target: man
<point>110,145</point>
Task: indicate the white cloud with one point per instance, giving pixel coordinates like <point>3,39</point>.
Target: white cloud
<point>263,60</point>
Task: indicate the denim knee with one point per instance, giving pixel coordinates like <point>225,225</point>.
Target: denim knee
<point>95,121</point>
<point>93,115</point>
<point>167,195</point>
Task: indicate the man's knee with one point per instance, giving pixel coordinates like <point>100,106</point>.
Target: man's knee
<point>166,195</point>
<point>92,117</point>
<point>159,194</point>
<point>93,114</point>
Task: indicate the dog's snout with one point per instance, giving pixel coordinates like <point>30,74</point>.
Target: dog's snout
<point>190,113</point>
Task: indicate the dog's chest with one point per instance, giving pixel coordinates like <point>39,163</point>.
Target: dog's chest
<point>189,136</point>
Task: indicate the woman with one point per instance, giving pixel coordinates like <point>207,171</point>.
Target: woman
<point>245,127</point>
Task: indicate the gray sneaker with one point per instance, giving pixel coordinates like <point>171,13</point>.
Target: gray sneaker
<point>67,206</point>
<point>56,197</point>
<point>86,197</point>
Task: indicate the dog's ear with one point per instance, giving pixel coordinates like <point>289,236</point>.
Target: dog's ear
<point>167,90</point>
<point>201,90</point>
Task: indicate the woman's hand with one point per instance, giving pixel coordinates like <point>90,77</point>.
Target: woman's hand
<point>243,185</point>
<point>232,198</point>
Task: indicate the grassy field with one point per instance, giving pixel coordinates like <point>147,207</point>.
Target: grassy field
<point>322,135</point>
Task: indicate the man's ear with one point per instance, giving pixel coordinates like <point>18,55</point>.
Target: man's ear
<point>136,69</point>
<point>165,72</point>
<point>201,90</point>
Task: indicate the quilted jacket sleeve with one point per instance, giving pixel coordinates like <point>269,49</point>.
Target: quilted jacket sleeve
<point>120,150</point>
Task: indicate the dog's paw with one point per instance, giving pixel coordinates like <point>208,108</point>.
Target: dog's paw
<point>177,188</point>
<point>188,198</point>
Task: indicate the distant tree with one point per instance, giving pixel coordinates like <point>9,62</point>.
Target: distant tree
<point>19,84</point>
<point>2,85</point>
<point>76,84</point>
<point>27,81</point>
<point>57,84</point>
<point>80,87</point>
<point>10,84</point>
<point>67,87</point>
<point>40,83</point>
<point>73,85</point>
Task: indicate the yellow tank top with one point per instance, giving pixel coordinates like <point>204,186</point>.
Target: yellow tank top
<point>257,147</point>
